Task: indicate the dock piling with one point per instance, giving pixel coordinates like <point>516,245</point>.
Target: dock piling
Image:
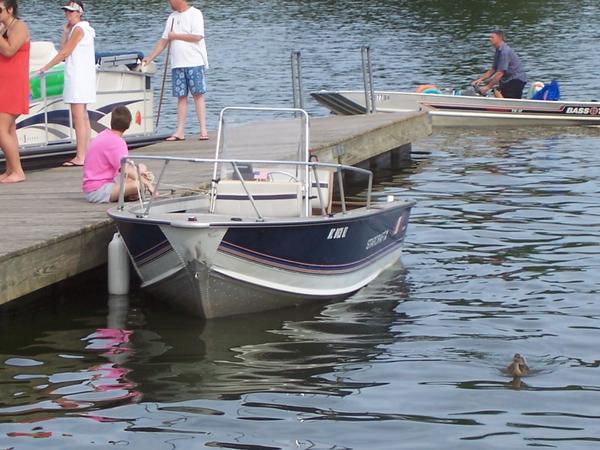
<point>297,88</point>
<point>367,70</point>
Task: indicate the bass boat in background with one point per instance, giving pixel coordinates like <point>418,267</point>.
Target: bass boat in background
<point>452,110</point>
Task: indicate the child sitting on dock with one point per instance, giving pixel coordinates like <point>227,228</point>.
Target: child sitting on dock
<point>101,169</point>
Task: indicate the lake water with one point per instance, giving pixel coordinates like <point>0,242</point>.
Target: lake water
<point>502,256</point>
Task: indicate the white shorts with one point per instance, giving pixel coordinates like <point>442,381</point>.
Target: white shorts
<point>100,195</point>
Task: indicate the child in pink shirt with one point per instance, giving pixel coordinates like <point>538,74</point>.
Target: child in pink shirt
<point>102,165</point>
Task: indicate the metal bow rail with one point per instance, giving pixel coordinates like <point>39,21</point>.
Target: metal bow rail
<point>235,164</point>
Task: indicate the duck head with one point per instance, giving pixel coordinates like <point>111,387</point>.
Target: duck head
<point>518,367</point>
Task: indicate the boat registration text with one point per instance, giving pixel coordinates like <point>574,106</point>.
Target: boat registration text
<point>376,240</point>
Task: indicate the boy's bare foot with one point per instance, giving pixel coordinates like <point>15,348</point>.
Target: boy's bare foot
<point>12,178</point>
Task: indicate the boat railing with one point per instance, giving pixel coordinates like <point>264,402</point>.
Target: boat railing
<point>43,80</point>
<point>311,167</point>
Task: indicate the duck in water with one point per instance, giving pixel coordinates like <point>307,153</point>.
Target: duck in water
<point>518,367</point>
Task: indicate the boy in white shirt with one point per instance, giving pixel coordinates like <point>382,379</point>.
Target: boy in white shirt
<point>184,31</point>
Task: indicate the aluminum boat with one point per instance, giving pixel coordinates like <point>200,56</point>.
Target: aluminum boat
<point>467,111</point>
<point>266,233</point>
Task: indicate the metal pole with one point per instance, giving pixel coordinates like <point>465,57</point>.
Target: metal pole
<point>293,68</point>
<point>45,95</point>
<point>145,104</point>
<point>297,88</point>
<point>159,179</point>
<point>319,193</point>
<point>341,188</point>
<point>124,163</point>
<point>367,70</point>
<point>300,86</point>
<point>237,172</point>
<point>370,66</point>
<point>140,184</point>
<point>162,86</point>
<point>71,124</point>
<point>306,136</point>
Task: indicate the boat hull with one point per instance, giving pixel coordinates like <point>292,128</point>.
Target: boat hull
<point>468,111</point>
<point>225,270</point>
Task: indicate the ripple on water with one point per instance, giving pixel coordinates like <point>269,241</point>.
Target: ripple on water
<point>23,362</point>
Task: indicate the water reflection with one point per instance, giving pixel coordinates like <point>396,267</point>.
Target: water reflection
<point>61,383</point>
<point>287,351</point>
<point>169,357</point>
<point>150,370</point>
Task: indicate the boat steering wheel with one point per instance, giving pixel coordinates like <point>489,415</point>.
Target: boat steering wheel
<point>291,177</point>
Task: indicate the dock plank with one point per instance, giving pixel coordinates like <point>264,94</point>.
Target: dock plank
<point>50,233</point>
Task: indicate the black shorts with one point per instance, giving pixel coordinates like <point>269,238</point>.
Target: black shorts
<point>512,89</point>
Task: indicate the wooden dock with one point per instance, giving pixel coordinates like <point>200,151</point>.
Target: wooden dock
<point>50,233</point>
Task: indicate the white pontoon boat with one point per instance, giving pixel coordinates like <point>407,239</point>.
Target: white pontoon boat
<point>121,80</point>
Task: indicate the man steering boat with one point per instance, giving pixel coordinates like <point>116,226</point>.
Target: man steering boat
<point>507,71</point>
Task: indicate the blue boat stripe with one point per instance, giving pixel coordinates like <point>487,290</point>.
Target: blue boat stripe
<point>165,247</point>
<point>148,250</point>
<point>257,197</point>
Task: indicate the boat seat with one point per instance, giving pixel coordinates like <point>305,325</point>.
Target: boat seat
<point>40,53</point>
<point>272,198</point>
<point>326,180</point>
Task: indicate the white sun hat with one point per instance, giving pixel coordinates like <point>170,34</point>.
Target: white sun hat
<point>72,6</point>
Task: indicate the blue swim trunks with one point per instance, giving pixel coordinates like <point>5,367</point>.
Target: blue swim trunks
<point>188,79</point>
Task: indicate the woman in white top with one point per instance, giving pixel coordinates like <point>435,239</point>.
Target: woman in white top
<point>77,51</point>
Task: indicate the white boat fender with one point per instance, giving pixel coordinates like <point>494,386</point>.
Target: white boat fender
<point>118,266</point>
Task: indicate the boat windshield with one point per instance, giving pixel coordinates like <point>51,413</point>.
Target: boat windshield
<point>244,134</point>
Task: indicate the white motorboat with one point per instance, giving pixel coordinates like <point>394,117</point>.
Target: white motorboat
<point>121,80</point>
<point>467,111</point>
<point>266,234</point>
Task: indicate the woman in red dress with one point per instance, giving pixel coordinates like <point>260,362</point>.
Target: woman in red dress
<point>14,86</point>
